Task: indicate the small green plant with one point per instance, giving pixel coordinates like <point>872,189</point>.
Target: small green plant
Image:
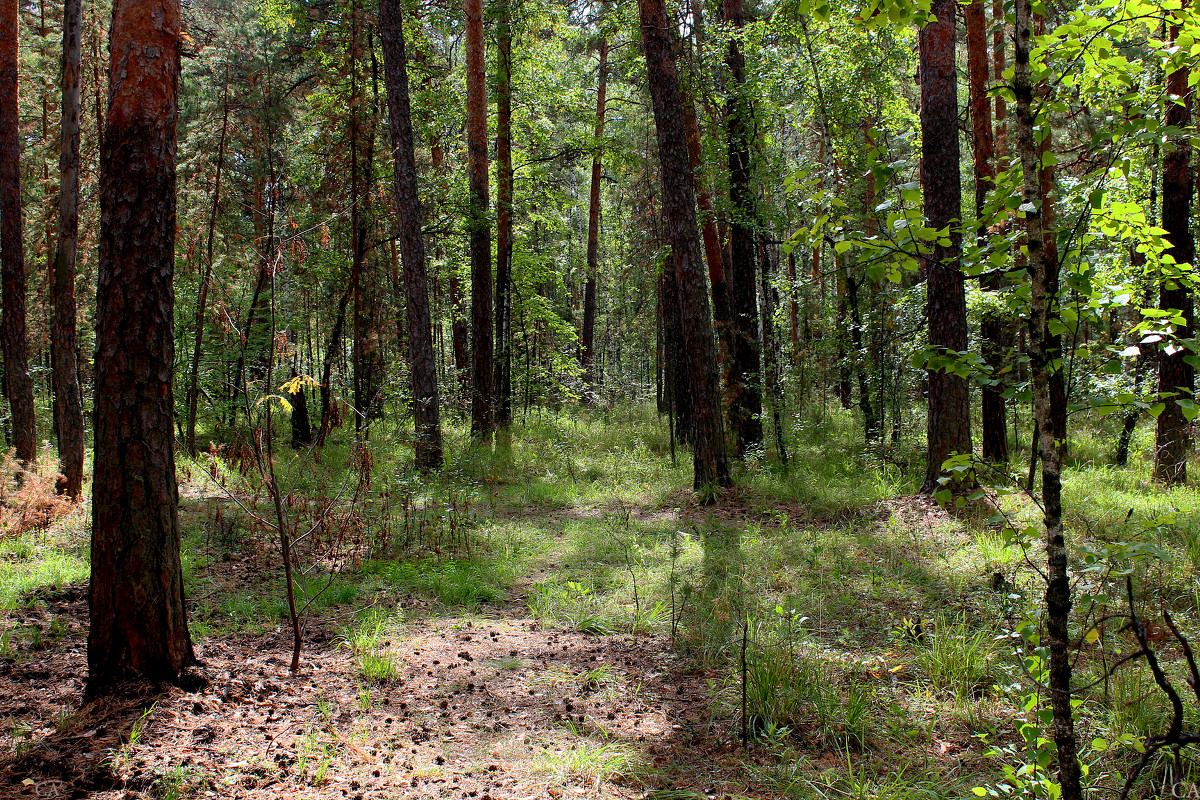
<point>365,704</point>
<point>314,757</point>
<point>958,657</point>
<point>65,720</point>
<point>647,618</point>
<point>181,783</point>
<point>366,642</point>
<point>507,663</point>
<point>595,677</point>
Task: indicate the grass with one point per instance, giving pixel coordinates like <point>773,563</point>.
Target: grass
<point>957,656</point>
<point>874,626</point>
<point>369,643</point>
<point>39,566</point>
<point>587,761</point>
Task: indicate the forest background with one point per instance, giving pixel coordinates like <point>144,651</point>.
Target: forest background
<point>816,247</point>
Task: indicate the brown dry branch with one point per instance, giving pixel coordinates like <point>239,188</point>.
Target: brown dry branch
<point>29,500</point>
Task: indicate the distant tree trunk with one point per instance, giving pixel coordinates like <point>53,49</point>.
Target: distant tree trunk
<point>68,402</point>
<point>949,424</point>
<point>745,372</point>
<point>460,332</point>
<point>999,28</point>
<point>483,420</point>
<point>256,337</point>
<point>844,360</point>
<point>992,327</point>
<point>872,422</point>
<point>331,352</point>
<point>193,390</point>
<point>873,413</point>
<point>458,318</point>
<point>426,409</point>
<point>1176,377</point>
<point>362,162</point>
<point>586,354</point>
<point>138,624</point>
<point>679,399</point>
<point>18,385</point>
<point>502,379</point>
<point>301,426</point>
<point>710,463</point>
<point>1050,405</point>
<point>1136,261</point>
<point>771,349</point>
<point>794,306</point>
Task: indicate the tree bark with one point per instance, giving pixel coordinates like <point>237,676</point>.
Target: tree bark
<point>709,457</point>
<point>771,349</point>
<point>138,624</point>
<point>68,402</point>
<point>1050,405</point>
<point>482,345</point>
<point>502,379</point>
<point>991,327</point>
<point>949,420</point>
<point>18,385</point>
<point>331,352</point>
<point>422,366</point>
<point>708,225</point>
<point>745,360</point>
<point>586,354</point>
<point>1176,377</point>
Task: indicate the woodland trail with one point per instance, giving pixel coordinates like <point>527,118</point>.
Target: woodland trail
<point>481,707</point>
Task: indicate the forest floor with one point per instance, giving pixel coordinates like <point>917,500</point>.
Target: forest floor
<point>572,624</point>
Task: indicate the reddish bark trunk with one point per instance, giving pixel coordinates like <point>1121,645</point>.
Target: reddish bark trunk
<point>992,328</point>
<point>138,625</point>
<point>68,403</point>
<point>949,422</point>
<point>18,385</point>
<point>482,346</point>
<point>1176,377</point>
<point>502,378</point>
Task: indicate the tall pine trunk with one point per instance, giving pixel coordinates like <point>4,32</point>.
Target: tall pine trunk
<point>745,369</point>
<point>18,385</point>
<point>709,456</point>
<point>68,402</point>
<point>138,624</point>
<point>708,220</point>
<point>423,367</point>
<point>586,345</point>
<point>949,420</point>
<point>1176,377</point>
<point>991,326</point>
<point>482,346</point>
<point>502,378</point>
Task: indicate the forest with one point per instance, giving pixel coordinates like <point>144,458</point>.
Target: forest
<point>670,399</point>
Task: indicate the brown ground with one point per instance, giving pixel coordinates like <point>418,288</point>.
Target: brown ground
<point>482,707</point>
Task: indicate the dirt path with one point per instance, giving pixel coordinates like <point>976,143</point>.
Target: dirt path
<point>479,708</point>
